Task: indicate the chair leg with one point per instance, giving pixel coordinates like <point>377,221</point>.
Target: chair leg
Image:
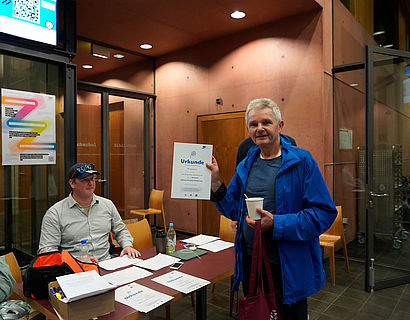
<point>332,264</point>
<point>163,220</point>
<point>345,254</point>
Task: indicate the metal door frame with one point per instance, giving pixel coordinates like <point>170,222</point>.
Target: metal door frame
<point>370,63</point>
<point>105,92</point>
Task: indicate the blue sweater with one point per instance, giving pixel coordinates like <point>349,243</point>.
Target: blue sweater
<point>304,210</point>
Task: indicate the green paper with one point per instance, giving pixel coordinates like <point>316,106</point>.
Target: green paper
<point>188,254</point>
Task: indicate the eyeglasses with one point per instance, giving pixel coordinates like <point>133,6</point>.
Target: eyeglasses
<point>83,169</point>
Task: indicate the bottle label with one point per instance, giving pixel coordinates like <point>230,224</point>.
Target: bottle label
<point>171,245</point>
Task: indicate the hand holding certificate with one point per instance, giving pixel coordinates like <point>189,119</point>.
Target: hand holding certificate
<point>191,179</point>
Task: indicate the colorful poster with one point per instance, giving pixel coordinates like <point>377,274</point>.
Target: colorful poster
<point>28,128</point>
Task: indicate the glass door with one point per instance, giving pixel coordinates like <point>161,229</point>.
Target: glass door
<point>114,132</point>
<point>388,167</point>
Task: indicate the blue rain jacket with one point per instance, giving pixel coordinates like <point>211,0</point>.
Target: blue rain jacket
<point>304,210</point>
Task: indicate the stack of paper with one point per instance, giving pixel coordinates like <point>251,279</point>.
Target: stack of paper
<point>158,262</point>
<point>216,246</point>
<point>118,262</point>
<point>84,284</point>
<point>121,277</point>
<point>200,239</point>
<point>140,298</point>
<point>181,281</point>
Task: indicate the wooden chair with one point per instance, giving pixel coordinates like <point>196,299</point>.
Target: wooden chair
<point>227,234</point>
<point>141,232</point>
<point>330,238</point>
<point>15,271</point>
<point>155,206</point>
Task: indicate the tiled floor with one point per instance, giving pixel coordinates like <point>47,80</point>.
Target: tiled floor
<point>347,300</point>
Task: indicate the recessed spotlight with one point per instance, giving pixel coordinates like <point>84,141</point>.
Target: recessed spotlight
<point>118,55</point>
<point>388,45</point>
<point>353,84</point>
<point>378,33</point>
<point>238,14</point>
<point>146,46</point>
<point>87,66</point>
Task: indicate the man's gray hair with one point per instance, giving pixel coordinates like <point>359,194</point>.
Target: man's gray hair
<point>264,103</point>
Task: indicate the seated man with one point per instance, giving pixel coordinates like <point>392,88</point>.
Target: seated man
<point>84,216</point>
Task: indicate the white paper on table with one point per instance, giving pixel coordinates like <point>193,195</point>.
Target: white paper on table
<point>84,284</point>
<point>140,298</point>
<point>118,262</point>
<point>191,179</point>
<point>200,239</point>
<point>216,246</point>
<point>121,277</point>
<point>158,262</point>
<point>182,282</point>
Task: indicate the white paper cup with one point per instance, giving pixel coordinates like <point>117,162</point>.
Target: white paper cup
<point>252,204</point>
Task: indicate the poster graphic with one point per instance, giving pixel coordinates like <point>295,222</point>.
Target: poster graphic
<point>28,128</point>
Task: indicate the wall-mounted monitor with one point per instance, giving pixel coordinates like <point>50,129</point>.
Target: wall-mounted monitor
<point>30,19</point>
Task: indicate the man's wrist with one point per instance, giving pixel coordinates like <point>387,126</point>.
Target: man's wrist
<point>216,185</point>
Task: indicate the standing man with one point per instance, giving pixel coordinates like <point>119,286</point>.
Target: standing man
<point>84,216</point>
<point>297,209</point>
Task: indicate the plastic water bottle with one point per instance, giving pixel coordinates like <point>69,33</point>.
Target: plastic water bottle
<point>84,252</point>
<point>171,239</point>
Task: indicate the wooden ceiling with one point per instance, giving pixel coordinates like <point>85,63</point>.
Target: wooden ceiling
<point>171,25</point>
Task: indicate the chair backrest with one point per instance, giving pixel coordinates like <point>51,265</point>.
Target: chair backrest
<point>141,232</point>
<point>156,199</point>
<point>14,266</point>
<point>336,228</point>
<point>225,230</point>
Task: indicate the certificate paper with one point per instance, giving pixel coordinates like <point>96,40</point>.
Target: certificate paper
<point>181,282</point>
<point>191,179</point>
<point>140,298</point>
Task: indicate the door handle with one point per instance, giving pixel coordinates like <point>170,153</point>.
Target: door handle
<point>101,180</point>
<point>378,195</point>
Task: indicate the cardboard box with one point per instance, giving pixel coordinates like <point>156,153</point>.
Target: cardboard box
<point>85,308</point>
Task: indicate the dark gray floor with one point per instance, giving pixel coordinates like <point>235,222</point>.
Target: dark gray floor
<point>347,300</point>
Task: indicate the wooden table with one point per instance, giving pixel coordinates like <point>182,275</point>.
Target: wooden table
<point>213,267</point>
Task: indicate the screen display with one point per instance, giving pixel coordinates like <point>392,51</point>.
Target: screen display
<point>30,19</point>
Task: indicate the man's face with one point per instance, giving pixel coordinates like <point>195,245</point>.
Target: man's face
<point>83,187</point>
<point>263,128</point>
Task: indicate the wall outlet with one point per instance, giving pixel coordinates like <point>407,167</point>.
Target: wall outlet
<point>345,220</point>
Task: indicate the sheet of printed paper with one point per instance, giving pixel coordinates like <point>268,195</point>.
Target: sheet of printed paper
<point>201,239</point>
<point>127,275</point>
<point>83,284</point>
<point>191,179</point>
<point>28,128</point>
<point>158,262</point>
<point>216,246</point>
<point>118,262</point>
<point>182,282</point>
<point>140,298</point>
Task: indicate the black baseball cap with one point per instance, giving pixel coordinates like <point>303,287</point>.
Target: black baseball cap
<point>81,171</point>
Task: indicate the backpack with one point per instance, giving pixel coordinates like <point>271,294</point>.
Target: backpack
<point>46,267</point>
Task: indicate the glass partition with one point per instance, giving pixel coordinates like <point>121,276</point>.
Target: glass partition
<point>26,191</point>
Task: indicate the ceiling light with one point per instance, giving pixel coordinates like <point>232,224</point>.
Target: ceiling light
<point>353,84</point>
<point>118,55</point>
<point>146,46</point>
<point>87,66</point>
<point>378,33</point>
<point>238,14</point>
<point>100,51</point>
<point>388,45</point>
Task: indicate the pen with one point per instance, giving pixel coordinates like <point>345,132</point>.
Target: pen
<point>52,291</point>
<point>61,292</point>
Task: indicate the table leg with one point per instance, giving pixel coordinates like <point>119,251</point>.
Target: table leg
<point>201,313</point>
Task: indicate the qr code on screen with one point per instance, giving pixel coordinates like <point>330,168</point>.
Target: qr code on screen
<point>27,9</point>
